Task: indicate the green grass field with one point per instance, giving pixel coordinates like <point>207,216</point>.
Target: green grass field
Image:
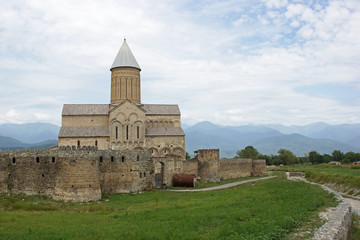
<point>271,209</point>
<point>323,173</point>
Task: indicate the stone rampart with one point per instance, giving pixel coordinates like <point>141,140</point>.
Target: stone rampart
<point>236,168</point>
<point>208,170</point>
<point>258,167</point>
<point>72,174</point>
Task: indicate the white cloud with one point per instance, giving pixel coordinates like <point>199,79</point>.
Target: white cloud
<point>224,61</point>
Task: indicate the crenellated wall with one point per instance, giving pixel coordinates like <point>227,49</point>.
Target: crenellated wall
<point>84,173</point>
<point>74,174</point>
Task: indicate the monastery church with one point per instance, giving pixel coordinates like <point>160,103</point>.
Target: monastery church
<point>125,123</point>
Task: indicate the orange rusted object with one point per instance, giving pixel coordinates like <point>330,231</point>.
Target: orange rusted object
<point>184,180</point>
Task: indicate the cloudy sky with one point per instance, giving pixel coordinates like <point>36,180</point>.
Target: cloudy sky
<point>229,62</point>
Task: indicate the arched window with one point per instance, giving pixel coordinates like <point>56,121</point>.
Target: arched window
<point>78,143</point>
<point>116,132</point>
<point>53,160</point>
<point>138,132</point>
<point>127,132</point>
<point>95,143</point>
<point>37,159</point>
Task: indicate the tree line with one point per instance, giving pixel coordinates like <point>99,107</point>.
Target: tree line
<point>286,157</point>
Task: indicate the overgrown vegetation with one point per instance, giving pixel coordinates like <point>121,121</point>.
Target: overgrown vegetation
<point>346,175</point>
<point>272,209</point>
<point>354,233</point>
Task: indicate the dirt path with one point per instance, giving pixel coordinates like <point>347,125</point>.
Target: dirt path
<point>222,186</point>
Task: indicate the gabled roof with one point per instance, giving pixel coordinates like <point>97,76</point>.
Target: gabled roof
<point>84,132</point>
<point>125,58</point>
<point>164,131</point>
<point>161,109</point>
<point>85,109</point>
<point>127,101</point>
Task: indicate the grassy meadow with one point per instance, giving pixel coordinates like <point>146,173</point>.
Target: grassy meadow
<point>347,175</point>
<point>272,209</point>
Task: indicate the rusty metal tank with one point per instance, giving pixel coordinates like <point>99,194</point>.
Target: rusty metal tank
<point>184,180</point>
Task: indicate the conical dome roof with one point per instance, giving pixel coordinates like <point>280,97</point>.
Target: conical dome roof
<point>125,58</point>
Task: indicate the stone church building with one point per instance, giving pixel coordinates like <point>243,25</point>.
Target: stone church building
<point>125,123</point>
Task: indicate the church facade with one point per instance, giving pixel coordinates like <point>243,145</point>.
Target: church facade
<point>125,123</point>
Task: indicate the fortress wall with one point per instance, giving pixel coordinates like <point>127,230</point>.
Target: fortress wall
<point>236,168</point>
<point>124,171</point>
<point>77,178</point>
<point>4,171</point>
<point>29,172</point>
<point>190,167</point>
<point>259,167</point>
<point>208,170</point>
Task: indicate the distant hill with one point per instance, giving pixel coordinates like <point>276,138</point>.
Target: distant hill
<point>30,132</point>
<point>268,139</point>
<point>8,143</point>
<point>300,145</point>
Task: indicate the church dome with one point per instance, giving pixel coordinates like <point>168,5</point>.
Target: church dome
<point>125,58</point>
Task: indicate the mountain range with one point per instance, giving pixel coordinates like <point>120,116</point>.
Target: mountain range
<point>267,139</point>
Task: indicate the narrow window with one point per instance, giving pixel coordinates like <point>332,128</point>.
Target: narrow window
<point>95,143</point>
<point>116,132</point>
<point>78,143</point>
<point>140,174</point>
<point>112,158</point>
<point>122,159</point>
<point>137,158</point>
<point>42,175</point>
<point>53,160</point>
<point>138,132</point>
<point>101,159</point>
<point>13,160</point>
<point>127,132</point>
<point>144,174</point>
<point>37,159</point>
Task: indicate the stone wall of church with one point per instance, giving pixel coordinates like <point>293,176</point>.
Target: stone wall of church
<point>160,146</point>
<point>101,143</point>
<point>127,127</point>
<point>85,121</point>
<point>163,121</point>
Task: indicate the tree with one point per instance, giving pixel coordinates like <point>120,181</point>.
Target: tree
<point>287,157</point>
<point>247,152</point>
<point>315,157</point>
<point>337,155</point>
<point>188,157</point>
<point>327,158</point>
